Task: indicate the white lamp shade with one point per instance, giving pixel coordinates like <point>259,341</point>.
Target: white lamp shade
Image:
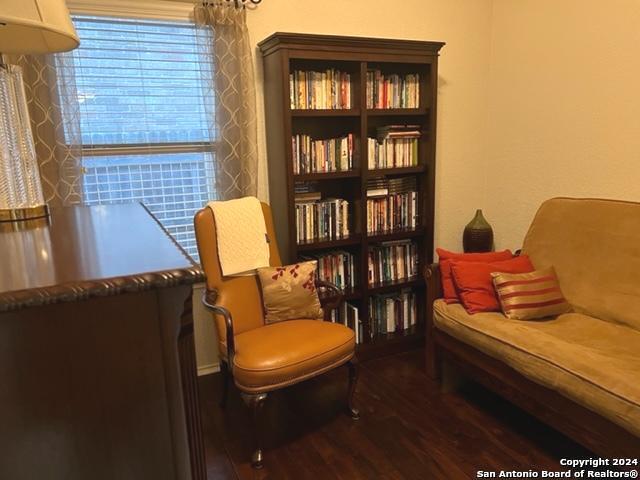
<point>36,26</point>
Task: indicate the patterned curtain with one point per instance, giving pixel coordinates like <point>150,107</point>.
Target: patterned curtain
<point>230,78</point>
<point>50,84</point>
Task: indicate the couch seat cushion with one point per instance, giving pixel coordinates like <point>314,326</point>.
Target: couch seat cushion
<point>288,352</point>
<point>593,362</point>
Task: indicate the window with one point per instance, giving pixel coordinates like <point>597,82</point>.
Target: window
<point>143,118</point>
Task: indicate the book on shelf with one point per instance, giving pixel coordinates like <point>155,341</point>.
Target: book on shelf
<point>337,267</point>
<point>307,197</point>
<point>330,89</point>
<point>315,156</point>
<point>377,187</point>
<point>392,262</point>
<point>402,184</point>
<point>394,146</point>
<point>322,219</point>
<point>349,316</point>
<point>393,312</point>
<point>395,210</point>
<point>397,131</point>
<point>392,90</point>
<point>306,192</point>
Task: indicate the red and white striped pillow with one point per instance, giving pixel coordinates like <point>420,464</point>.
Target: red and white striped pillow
<point>527,296</point>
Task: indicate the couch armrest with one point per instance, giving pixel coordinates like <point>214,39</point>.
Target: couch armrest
<point>434,291</point>
<point>432,279</point>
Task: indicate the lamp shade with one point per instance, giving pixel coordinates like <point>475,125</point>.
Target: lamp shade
<point>36,26</point>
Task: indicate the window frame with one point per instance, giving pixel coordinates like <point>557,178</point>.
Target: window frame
<point>103,150</point>
<point>142,9</point>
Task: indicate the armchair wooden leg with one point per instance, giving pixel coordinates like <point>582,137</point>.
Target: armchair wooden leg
<point>353,380</point>
<point>255,403</point>
<point>224,370</point>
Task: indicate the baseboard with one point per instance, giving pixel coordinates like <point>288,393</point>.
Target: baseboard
<point>208,369</point>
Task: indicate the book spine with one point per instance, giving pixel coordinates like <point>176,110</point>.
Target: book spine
<point>393,212</point>
<point>321,156</point>
<point>393,312</point>
<point>392,263</point>
<point>392,91</point>
<point>330,89</point>
<point>322,219</point>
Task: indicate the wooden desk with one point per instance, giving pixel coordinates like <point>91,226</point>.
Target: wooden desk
<point>97,364</point>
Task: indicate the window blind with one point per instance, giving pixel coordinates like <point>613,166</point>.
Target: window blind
<point>145,118</point>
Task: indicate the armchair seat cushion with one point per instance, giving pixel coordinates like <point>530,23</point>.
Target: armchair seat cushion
<point>284,353</point>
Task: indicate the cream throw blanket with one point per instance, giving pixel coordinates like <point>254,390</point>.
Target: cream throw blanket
<point>241,234</point>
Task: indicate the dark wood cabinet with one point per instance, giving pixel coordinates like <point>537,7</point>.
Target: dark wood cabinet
<point>284,53</point>
<point>97,357</point>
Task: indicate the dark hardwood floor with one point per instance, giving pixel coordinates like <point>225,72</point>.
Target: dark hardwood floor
<point>408,429</point>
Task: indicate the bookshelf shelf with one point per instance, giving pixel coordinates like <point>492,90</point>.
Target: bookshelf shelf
<point>383,172</point>
<point>329,243</point>
<point>287,57</point>
<point>395,235</point>
<point>338,112</point>
<point>375,112</point>
<point>306,177</point>
<point>386,287</point>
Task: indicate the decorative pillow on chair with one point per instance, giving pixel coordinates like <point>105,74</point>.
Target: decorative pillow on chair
<point>527,296</point>
<point>474,283</point>
<point>445,259</point>
<point>289,292</point>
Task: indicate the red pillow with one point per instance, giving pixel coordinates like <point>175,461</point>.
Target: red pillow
<point>474,284</point>
<point>446,257</point>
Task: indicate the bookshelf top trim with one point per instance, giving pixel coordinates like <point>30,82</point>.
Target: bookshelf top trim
<point>285,40</point>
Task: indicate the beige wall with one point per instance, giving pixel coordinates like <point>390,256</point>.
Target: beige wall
<point>564,107</point>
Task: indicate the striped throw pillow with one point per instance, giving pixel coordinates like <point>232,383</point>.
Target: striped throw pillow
<point>527,296</point>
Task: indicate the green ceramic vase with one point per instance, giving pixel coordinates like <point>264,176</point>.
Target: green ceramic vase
<point>478,235</point>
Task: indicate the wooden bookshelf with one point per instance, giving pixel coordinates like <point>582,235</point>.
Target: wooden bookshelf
<point>285,52</point>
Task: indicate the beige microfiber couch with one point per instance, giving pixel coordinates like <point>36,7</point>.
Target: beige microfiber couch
<point>590,357</point>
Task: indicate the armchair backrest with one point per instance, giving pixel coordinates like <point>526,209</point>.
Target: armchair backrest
<point>239,294</point>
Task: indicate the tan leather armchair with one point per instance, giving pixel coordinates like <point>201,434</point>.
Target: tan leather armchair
<point>259,357</point>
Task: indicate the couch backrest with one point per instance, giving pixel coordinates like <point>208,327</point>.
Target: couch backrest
<point>594,246</point>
